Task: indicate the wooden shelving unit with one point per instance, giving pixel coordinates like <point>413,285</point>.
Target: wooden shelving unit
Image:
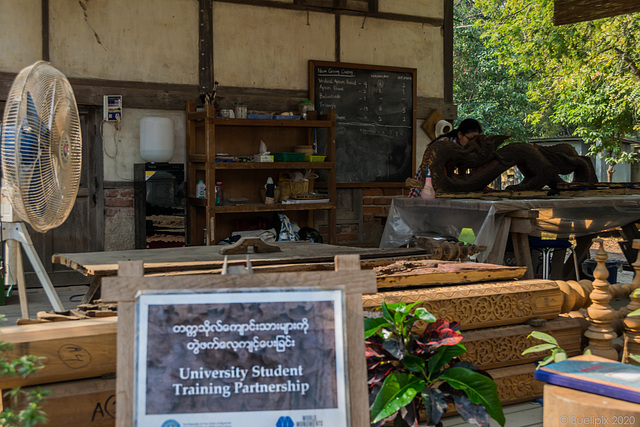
<point>208,135</point>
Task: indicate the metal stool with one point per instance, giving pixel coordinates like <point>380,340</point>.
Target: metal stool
<point>547,246</point>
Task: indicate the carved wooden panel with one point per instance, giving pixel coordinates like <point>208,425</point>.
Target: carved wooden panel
<point>516,383</point>
<point>500,347</point>
<point>482,305</point>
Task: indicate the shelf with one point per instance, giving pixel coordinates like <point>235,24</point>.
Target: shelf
<point>261,207</point>
<point>208,135</point>
<point>273,165</point>
<point>200,115</point>
<point>278,207</point>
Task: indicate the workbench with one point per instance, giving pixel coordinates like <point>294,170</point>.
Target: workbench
<point>493,221</point>
<point>301,255</point>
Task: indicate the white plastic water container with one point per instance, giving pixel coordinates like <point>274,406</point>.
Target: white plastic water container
<point>201,190</point>
<point>156,139</point>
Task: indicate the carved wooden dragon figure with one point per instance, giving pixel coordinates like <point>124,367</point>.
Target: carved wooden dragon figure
<point>455,168</point>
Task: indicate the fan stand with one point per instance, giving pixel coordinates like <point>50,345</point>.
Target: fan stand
<point>14,234</point>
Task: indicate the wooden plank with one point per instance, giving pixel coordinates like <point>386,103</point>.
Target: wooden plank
<point>572,11</point>
<point>358,391</point>
<point>365,264</point>
<point>437,273</point>
<point>201,257</point>
<point>481,305</point>
<point>125,381</point>
<point>72,350</point>
<point>500,347</point>
<point>122,289</point>
<point>86,403</point>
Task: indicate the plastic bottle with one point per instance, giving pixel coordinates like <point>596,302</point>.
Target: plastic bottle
<point>201,190</point>
<point>428,192</point>
<point>218,191</point>
<point>270,192</point>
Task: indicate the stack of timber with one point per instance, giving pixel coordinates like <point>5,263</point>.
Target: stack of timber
<point>79,369</point>
<point>496,311</point>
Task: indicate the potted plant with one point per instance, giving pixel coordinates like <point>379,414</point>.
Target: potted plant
<point>409,371</point>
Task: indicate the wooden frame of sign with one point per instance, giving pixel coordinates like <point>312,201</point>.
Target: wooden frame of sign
<point>130,281</point>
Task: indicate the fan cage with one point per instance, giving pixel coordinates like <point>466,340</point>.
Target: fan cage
<point>41,147</point>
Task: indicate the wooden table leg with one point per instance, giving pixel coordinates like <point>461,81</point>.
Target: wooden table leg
<point>629,233</point>
<point>94,290</point>
<point>523,253</point>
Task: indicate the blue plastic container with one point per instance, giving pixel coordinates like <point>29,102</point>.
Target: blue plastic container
<point>588,265</point>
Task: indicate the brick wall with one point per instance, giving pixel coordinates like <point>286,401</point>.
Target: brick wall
<point>119,217</point>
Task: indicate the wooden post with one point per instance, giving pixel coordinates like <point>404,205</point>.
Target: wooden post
<point>601,315</point>
<point>348,276</point>
<point>632,324</point>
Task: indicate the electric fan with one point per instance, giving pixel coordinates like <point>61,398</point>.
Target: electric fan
<point>41,149</point>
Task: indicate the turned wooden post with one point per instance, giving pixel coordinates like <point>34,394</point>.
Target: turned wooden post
<point>601,315</point>
<point>632,324</point>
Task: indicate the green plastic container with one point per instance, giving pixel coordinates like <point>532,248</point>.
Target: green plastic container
<point>288,157</point>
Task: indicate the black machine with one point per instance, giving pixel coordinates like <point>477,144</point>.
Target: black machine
<point>159,205</point>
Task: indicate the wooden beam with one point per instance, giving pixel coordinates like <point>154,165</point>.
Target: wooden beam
<point>572,11</point>
<point>447,54</point>
<point>72,350</point>
<point>205,46</point>
<point>45,30</point>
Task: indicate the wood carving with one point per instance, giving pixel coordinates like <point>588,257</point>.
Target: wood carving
<point>516,383</point>
<point>600,332</point>
<point>632,324</point>
<point>481,305</point>
<point>492,348</point>
<point>429,273</point>
<point>481,161</point>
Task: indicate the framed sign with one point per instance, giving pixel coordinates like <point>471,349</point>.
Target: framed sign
<point>268,357</point>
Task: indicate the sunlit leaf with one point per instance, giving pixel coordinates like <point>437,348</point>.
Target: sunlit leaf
<point>481,390</point>
<point>398,390</point>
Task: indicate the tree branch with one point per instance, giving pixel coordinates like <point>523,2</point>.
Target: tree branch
<point>630,62</point>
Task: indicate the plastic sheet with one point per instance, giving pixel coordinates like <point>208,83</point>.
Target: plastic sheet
<point>562,217</point>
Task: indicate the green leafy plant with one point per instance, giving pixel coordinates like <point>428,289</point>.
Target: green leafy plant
<point>408,371</point>
<point>24,409</point>
<point>550,343</point>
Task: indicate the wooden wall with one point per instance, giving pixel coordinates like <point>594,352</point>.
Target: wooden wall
<point>159,53</point>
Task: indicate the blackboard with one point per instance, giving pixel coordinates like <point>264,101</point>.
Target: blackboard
<point>375,119</point>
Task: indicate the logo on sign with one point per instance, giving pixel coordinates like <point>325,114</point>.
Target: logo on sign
<point>284,422</point>
<point>171,423</point>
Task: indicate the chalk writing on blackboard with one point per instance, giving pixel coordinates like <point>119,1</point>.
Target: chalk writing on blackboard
<point>375,118</point>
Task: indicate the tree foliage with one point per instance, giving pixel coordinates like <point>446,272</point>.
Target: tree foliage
<point>484,87</point>
<point>582,78</point>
